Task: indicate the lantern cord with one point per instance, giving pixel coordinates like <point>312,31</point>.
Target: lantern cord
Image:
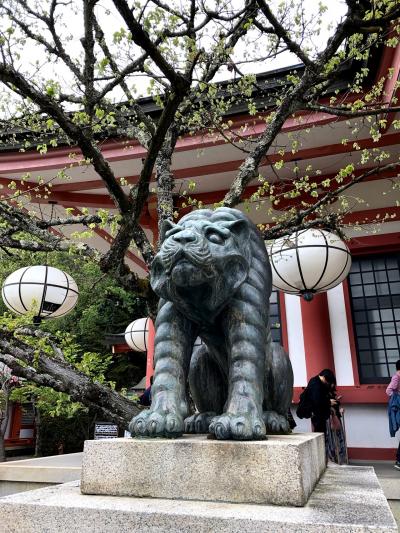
<point>37,320</point>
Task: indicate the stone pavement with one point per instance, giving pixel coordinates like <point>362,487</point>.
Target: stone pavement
<point>389,479</point>
<point>33,473</point>
<point>346,500</point>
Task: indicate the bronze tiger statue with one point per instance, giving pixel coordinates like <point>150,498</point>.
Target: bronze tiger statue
<point>213,277</point>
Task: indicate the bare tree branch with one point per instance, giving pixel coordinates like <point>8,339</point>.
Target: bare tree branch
<point>346,112</point>
<point>41,369</point>
<point>89,61</point>
<point>58,49</point>
<point>299,221</point>
<point>290,103</point>
<point>119,79</point>
<point>88,148</point>
<point>142,39</point>
<point>283,34</point>
<point>69,221</point>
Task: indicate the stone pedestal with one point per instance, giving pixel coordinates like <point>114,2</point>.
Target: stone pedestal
<point>282,470</point>
<point>346,500</point>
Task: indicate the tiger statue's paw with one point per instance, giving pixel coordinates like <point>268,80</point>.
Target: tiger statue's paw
<point>199,422</point>
<point>157,424</point>
<point>238,427</point>
<point>276,423</point>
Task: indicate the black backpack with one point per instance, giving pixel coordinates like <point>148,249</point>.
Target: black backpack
<point>304,409</point>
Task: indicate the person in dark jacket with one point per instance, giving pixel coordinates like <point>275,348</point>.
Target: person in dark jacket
<point>319,395</point>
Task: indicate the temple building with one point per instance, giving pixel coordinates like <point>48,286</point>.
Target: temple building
<point>353,328</point>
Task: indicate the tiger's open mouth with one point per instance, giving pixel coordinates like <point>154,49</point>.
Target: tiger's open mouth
<point>196,294</point>
<point>185,273</point>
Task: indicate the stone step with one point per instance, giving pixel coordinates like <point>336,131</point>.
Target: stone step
<point>346,499</point>
<point>282,470</point>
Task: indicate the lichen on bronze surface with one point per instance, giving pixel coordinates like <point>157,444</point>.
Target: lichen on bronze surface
<point>213,277</point>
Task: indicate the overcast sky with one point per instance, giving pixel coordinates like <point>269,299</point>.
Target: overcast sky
<point>112,22</point>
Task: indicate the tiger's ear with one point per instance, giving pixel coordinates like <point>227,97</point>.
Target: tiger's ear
<point>166,226</point>
<point>239,228</point>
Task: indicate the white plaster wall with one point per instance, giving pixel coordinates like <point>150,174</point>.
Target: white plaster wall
<point>296,339</point>
<point>367,426</point>
<point>26,433</point>
<point>303,425</point>
<point>340,336</point>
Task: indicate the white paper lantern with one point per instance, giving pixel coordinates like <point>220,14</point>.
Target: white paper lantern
<point>137,334</point>
<point>309,262</point>
<point>45,290</point>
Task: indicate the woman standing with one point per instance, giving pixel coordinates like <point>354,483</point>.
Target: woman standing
<point>393,391</point>
<point>319,397</point>
<point>319,401</point>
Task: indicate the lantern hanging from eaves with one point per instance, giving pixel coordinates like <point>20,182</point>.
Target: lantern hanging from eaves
<point>44,290</point>
<point>308,262</point>
<point>137,334</point>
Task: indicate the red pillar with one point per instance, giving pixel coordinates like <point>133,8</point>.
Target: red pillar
<point>15,423</point>
<point>317,335</point>
<point>150,353</point>
<point>152,208</point>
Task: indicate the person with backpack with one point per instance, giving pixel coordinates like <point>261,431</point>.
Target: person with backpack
<point>320,402</point>
<point>316,400</point>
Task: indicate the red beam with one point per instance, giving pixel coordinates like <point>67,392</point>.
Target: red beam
<point>370,215</point>
<point>125,150</point>
<point>121,348</point>
<point>212,197</point>
<point>361,394</point>
<point>228,166</point>
<point>26,443</point>
<point>25,186</point>
<point>372,244</point>
<point>109,239</point>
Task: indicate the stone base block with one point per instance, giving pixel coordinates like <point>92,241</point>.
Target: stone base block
<point>282,470</point>
<point>346,500</point>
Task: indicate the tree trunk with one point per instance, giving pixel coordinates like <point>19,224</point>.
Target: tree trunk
<point>63,377</point>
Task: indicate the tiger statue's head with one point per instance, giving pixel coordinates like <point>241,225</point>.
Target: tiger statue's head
<point>204,259</point>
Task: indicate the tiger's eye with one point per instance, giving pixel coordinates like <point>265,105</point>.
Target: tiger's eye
<point>215,237</point>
